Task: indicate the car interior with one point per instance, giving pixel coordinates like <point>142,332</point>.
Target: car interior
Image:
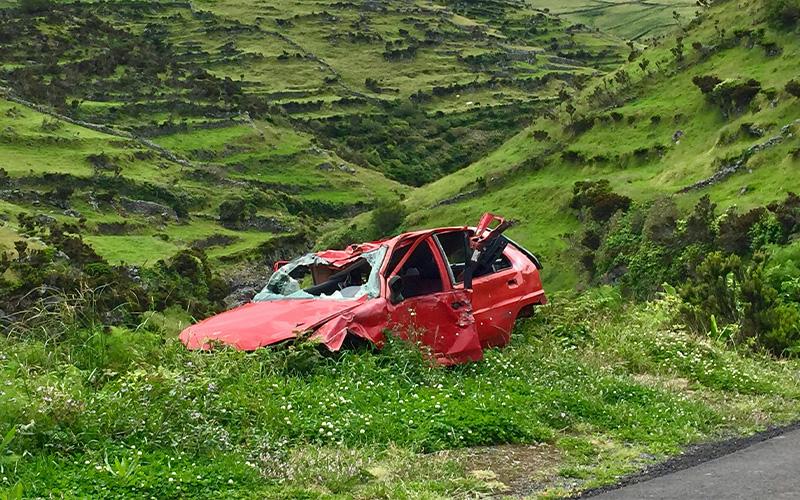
<point>455,245</point>
<point>327,280</point>
<point>420,274</point>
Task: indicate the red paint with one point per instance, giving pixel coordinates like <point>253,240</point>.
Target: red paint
<point>454,324</point>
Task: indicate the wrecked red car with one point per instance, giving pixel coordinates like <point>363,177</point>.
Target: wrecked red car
<point>457,290</point>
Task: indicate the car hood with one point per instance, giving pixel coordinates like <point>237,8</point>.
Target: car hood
<point>258,324</point>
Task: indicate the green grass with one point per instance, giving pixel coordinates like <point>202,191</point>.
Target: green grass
<point>540,199</point>
<point>597,381</point>
<point>629,20</point>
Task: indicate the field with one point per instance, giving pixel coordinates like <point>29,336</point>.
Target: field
<point>638,20</point>
<point>599,387</point>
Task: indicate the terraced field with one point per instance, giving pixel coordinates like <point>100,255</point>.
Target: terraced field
<point>292,113</point>
<point>629,19</point>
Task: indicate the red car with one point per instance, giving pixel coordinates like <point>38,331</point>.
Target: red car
<point>457,290</point>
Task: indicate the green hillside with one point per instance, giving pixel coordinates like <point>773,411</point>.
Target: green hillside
<point>301,112</point>
<point>651,132</point>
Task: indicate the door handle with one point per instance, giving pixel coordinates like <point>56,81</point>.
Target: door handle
<point>512,282</point>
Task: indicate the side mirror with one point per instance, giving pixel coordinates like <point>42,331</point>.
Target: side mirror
<point>395,289</point>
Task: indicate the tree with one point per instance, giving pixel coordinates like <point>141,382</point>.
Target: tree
<point>793,87</point>
<point>706,83</point>
<point>35,6</point>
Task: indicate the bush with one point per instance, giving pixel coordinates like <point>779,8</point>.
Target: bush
<point>793,88</point>
<point>734,230</point>
<point>597,198</point>
<point>733,95</point>
<point>700,226</point>
<point>784,12</point>
<point>727,290</point>
<point>235,212</point>
<point>387,216</point>
<point>35,6</point>
<point>706,83</point>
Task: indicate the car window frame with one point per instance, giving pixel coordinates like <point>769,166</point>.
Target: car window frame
<point>447,264</point>
<point>438,257</point>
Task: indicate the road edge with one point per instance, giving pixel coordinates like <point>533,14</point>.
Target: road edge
<point>692,456</point>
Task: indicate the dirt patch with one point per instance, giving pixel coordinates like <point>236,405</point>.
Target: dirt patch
<point>514,470</point>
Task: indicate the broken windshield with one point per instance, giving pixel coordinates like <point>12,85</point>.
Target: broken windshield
<point>312,277</point>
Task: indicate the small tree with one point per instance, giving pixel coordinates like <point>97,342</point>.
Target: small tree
<point>784,12</point>
<point>793,88</point>
<point>35,6</point>
<point>235,212</point>
<point>706,83</point>
<point>387,216</point>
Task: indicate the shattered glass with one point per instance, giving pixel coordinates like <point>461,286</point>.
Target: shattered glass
<point>295,280</point>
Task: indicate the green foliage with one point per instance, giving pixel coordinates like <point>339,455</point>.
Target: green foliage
<point>734,94</point>
<point>706,83</point>
<point>597,199</point>
<point>48,290</point>
<point>234,212</point>
<point>35,6</point>
<point>726,289</point>
<point>793,88</point>
<point>784,12</point>
<point>387,217</point>
<point>652,245</point>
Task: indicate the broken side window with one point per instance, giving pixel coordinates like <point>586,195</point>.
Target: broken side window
<point>312,277</point>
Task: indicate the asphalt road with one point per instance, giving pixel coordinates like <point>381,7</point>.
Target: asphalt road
<point>768,469</point>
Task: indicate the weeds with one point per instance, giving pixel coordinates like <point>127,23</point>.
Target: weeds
<point>138,407</point>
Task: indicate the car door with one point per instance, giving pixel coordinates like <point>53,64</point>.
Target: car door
<point>495,297</point>
<point>429,310</point>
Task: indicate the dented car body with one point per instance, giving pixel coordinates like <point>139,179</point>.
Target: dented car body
<point>456,290</point>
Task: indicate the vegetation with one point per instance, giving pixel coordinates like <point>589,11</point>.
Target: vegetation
<point>599,383</point>
<point>156,157</point>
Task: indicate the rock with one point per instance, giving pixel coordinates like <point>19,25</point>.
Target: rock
<point>45,220</point>
<point>347,169</point>
<point>148,208</point>
<point>266,224</point>
<point>676,137</point>
<point>72,213</point>
<point>325,166</point>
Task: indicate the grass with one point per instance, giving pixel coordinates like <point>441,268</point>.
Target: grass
<point>597,383</point>
<point>539,199</point>
<point>629,20</point>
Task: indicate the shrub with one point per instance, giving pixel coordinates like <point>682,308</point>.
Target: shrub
<point>733,95</point>
<point>597,198</point>
<point>793,88</point>
<point>700,226</point>
<point>35,6</point>
<point>387,216</point>
<point>734,230</point>
<point>787,213</point>
<point>784,12</point>
<point>661,222</point>
<point>235,212</point>
<point>727,290</point>
<point>706,83</point>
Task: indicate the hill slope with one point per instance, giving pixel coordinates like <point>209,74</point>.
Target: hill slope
<point>651,132</point>
<point>275,116</point>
